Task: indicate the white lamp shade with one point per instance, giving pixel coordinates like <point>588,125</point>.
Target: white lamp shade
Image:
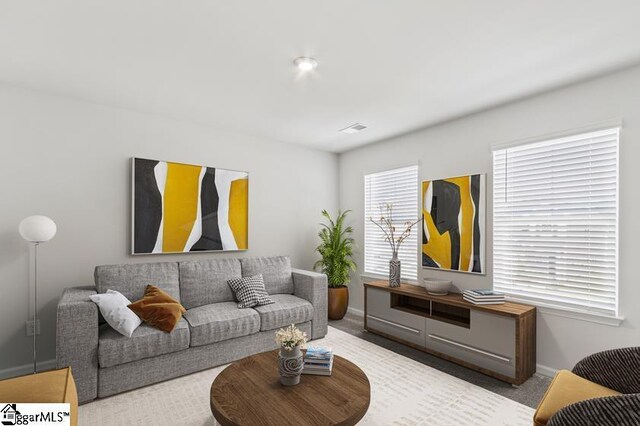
<point>37,229</point>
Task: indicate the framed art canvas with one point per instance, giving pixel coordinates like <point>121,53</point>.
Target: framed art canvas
<point>453,224</point>
<point>183,208</point>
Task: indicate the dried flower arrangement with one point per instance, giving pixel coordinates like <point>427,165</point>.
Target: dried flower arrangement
<point>290,337</point>
<point>387,225</point>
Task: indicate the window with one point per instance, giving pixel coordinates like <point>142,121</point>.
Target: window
<point>555,222</point>
<point>400,188</point>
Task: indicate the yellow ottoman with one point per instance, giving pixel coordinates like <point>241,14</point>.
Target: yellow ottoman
<point>55,386</point>
<point>565,389</point>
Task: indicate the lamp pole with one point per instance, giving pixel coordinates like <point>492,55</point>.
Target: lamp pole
<point>36,229</point>
<point>35,308</point>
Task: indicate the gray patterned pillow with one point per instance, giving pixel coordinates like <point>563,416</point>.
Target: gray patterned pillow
<point>250,291</point>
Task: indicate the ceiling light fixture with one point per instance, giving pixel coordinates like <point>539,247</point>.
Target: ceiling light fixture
<point>354,128</point>
<point>305,64</point>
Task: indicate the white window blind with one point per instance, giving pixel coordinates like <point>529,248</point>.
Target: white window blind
<point>400,188</point>
<point>555,222</point>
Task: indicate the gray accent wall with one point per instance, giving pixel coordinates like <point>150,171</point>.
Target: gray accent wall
<point>463,146</point>
<point>70,160</point>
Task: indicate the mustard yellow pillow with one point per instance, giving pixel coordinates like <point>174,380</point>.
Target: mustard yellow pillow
<point>158,309</point>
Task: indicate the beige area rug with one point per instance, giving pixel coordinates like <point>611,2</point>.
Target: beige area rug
<point>403,392</point>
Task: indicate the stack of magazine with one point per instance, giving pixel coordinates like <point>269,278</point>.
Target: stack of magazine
<point>483,297</point>
<point>318,361</point>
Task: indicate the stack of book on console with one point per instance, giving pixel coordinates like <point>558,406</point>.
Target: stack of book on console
<point>483,297</point>
<point>318,361</point>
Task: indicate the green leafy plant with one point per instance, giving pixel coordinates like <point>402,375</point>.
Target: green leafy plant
<point>336,248</point>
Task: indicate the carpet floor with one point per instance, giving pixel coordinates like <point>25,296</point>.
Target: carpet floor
<point>403,392</point>
<point>530,393</point>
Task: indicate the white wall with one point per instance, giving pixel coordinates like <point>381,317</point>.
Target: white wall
<point>70,160</point>
<point>463,146</point>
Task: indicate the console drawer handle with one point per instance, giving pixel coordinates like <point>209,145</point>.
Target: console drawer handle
<point>404,327</point>
<point>471,348</point>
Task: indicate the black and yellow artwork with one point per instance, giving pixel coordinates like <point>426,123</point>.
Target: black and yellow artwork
<point>453,223</point>
<point>182,208</point>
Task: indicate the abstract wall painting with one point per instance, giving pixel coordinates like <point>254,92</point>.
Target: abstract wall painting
<point>182,208</point>
<point>453,224</point>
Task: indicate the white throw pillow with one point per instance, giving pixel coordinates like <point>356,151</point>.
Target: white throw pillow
<point>114,308</point>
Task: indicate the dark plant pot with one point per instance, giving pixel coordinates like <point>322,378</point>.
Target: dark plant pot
<point>338,302</point>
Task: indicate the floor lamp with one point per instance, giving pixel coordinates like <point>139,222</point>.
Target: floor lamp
<point>36,230</point>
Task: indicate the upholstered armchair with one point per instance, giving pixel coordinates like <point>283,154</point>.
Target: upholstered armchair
<point>602,389</point>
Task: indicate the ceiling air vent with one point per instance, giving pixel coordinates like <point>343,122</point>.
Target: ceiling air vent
<point>354,128</point>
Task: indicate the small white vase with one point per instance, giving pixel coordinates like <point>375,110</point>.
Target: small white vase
<point>290,366</point>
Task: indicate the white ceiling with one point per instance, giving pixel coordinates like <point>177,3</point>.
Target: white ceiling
<point>392,65</point>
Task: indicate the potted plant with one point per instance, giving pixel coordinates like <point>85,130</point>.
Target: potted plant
<point>336,249</point>
<point>290,364</point>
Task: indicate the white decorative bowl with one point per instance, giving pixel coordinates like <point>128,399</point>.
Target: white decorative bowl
<point>437,287</point>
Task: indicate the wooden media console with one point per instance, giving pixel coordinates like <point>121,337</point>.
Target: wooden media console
<point>497,340</point>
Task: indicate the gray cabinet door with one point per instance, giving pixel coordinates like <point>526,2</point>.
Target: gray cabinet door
<point>490,342</point>
<point>382,317</point>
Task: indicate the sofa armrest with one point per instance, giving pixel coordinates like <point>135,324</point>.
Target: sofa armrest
<point>313,287</point>
<point>77,339</point>
<point>610,410</point>
<point>617,369</point>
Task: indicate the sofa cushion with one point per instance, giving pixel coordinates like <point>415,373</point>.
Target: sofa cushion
<point>565,389</point>
<point>114,307</point>
<point>132,279</point>
<point>158,309</point>
<point>250,291</point>
<point>287,309</point>
<point>220,321</point>
<point>204,282</point>
<point>145,342</point>
<point>276,272</point>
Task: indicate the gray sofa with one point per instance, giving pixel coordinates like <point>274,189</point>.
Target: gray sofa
<point>212,332</point>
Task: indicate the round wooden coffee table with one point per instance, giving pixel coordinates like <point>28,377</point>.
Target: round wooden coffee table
<point>248,392</point>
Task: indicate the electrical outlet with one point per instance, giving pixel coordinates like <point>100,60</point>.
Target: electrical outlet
<point>30,328</point>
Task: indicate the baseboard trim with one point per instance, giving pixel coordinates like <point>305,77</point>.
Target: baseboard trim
<point>21,370</point>
<point>545,371</point>
<point>355,311</point>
